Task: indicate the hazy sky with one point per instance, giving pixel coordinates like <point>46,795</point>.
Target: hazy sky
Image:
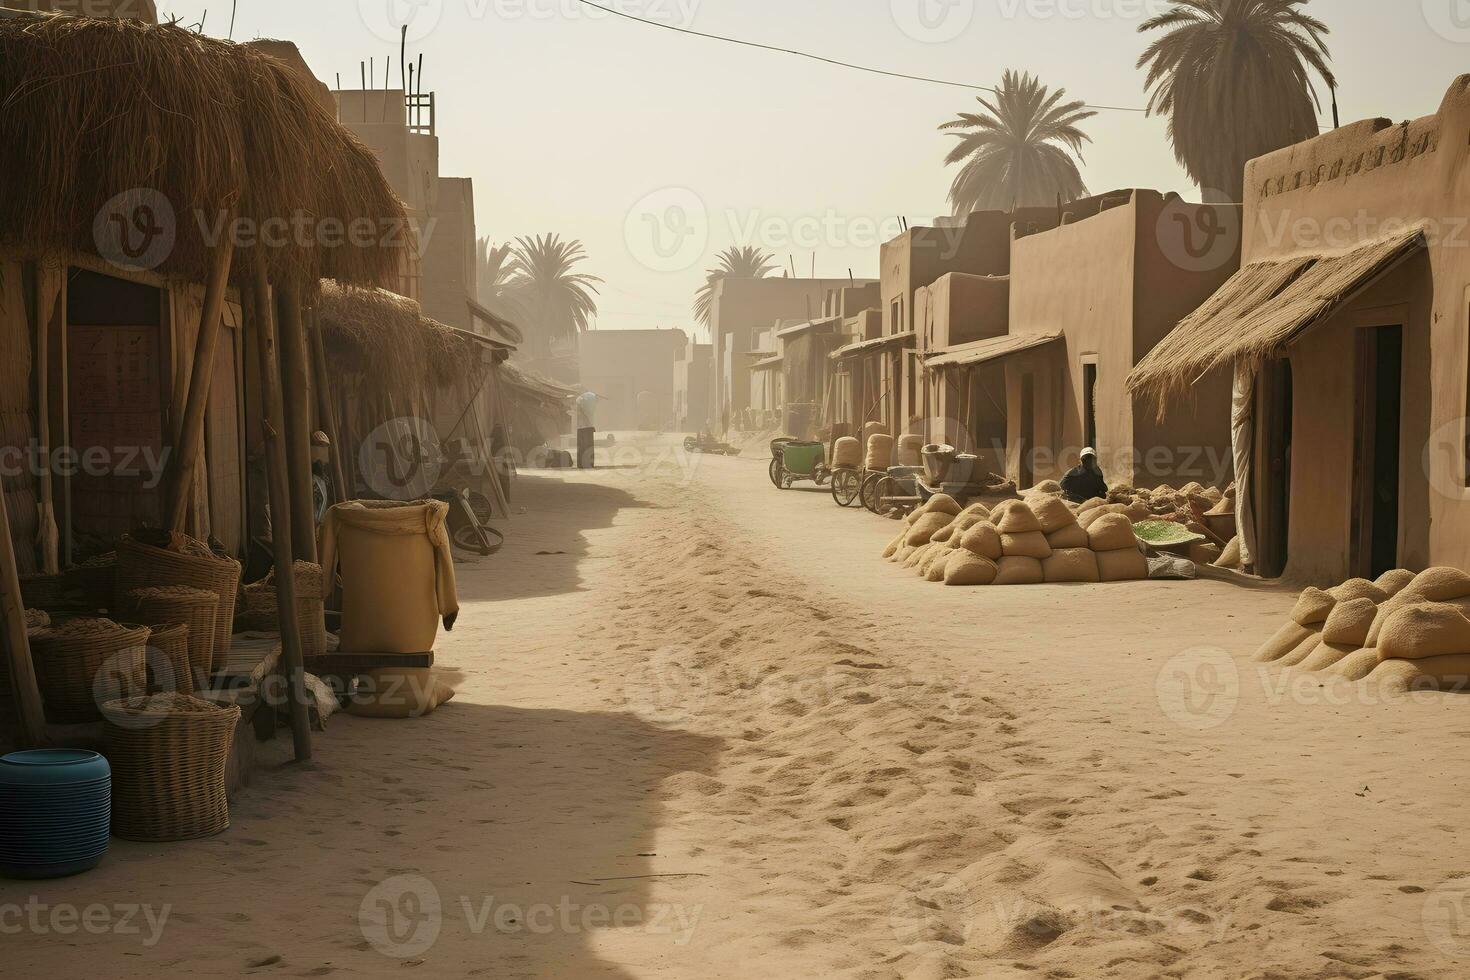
<point>657,150</point>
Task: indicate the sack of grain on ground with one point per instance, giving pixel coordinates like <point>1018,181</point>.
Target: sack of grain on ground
<point>1425,630</point>
<point>1074,536</point>
<point>1031,544</point>
<point>966,569</point>
<point>983,540</point>
<point>1122,565</point>
<point>1019,571</point>
<point>924,529</point>
<point>1112,532</point>
<point>1052,513</point>
<point>1014,517</point>
<point>1071,565</point>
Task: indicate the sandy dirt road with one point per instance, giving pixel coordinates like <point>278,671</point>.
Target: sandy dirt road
<point>703,731</point>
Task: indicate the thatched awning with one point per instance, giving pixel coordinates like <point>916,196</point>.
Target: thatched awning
<point>495,328</point>
<point>1262,310</point>
<point>809,326</point>
<point>768,364</point>
<point>115,127</point>
<point>386,337</point>
<point>990,349</point>
<point>532,384</point>
<point>862,347</point>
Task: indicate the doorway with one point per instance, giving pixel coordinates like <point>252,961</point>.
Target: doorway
<point>1273,486</point>
<point>1380,359</point>
<point>1089,404</point>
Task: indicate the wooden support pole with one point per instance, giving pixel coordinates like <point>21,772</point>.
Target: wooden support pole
<point>48,310</point>
<point>190,449</point>
<point>327,411</point>
<point>268,364</point>
<point>296,392</point>
<point>28,709</point>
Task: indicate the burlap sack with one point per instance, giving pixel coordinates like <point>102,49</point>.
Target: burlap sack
<point>937,554</point>
<point>1355,666</point>
<point>1122,565</point>
<point>1032,544</point>
<point>1072,565</point>
<point>847,453</point>
<point>978,511</point>
<point>1313,607</point>
<point>919,553</point>
<point>880,451</point>
<point>926,527</point>
<point>964,568</point>
<point>1349,622</point>
<point>1424,630</point>
<point>399,692</point>
<point>894,546</point>
<point>1074,536</point>
<point>1053,513</point>
<point>1440,585</point>
<point>945,533</point>
<point>1137,512</point>
<point>1048,486</point>
<point>1448,674</point>
<point>1014,517</point>
<point>1112,532</point>
<point>397,574</point>
<point>1019,571</point>
<point>934,572</point>
<point>983,541</point>
<point>1301,651</point>
<point>1230,557</point>
<point>1328,655</point>
<point>910,451</point>
<point>1358,588</point>
<point>1092,504</point>
<point>943,503</point>
<point>1394,582</point>
<point>1204,552</point>
<point>1283,642</point>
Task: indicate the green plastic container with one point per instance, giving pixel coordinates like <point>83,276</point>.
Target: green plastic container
<point>803,458</point>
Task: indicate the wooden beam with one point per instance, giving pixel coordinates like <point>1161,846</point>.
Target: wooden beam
<point>280,498</point>
<point>296,397</point>
<point>48,311</point>
<point>326,410</point>
<point>28,709</point>
<point>190,449</point>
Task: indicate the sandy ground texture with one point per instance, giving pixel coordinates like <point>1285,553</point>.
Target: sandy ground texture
<point>704,731</point>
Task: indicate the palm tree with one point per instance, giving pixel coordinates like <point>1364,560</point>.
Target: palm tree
<point>1022,151</point>
<point>495,279</point>
<point>746,262</point>
<point>558,301</point>
<point>1233,76</point>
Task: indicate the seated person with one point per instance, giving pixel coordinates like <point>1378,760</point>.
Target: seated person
<point>1085,481</point>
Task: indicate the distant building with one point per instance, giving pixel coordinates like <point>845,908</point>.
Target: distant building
<point>400,130</point>
<point>633,371</point>
<point>693,376</point>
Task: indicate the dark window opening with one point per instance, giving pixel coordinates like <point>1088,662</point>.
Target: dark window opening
<point>1089,406</point>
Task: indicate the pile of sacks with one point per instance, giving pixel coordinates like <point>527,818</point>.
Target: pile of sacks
<point>1164,503</point>
<point>1412,630</point>
<point>1027,541</point>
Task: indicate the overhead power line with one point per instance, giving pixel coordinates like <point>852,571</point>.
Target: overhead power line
<point>824,60</point>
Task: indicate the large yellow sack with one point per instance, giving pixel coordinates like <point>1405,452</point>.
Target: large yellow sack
<point>1395,581</point>
<point>1052,513</point>
<point>1031,544</point>
<point>1424,630</point>
<point>1313,607</point>
<point>1358,588</point>
<point>1112,532</point>
<point>399,692</point>
<point>977,510</point>
<point>943,503</point>
<point>1072,565</point>
<point>910,451</point>
<point>964,568</point>
<point>1230,558</point>
<point>983,540</point>
<point>1448,674</point>
<point>1019,571</point>
<point>1349,622</point>
<point>926,527</point>
<point>1014,517</point>
<point>847,453</point>
<point>1090,517</point>
<point>1122,565</point>
<point>1048,487</point>
<point>397,574</point>
<point>1440,585</point>
<point>1090,505</point>
<point>1069,537</point>
<point>894,546</point>
<point>1283,642</point>
<point>959,526</point>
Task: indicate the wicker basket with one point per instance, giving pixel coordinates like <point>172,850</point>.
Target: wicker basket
<point>168,754</point>
<point>140,566</point>
<point>168,660</point>
<point>311,619</point>
<point>85,662</point>
<point>195,608</point>
<point>93,582</point>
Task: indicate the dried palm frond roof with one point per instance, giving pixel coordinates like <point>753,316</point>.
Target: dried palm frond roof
<point>387,337</point>
<point>1262,310</point>
<point>112,123</point>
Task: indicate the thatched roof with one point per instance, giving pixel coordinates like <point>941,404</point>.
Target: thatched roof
<point>990,349</point>
<point>1262,310</point>
<point>95,109</point>
<point>386,337</point>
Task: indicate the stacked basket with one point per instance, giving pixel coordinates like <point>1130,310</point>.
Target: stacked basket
<point>141,566</point>
<point>168,660</point>
<point>194,608</point>
<point>168,755</point>
<point>84,662</point>
<point>261,609</point>
<point>55,813</point>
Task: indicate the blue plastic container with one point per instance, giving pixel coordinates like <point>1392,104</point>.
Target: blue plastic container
<point>55,812</point>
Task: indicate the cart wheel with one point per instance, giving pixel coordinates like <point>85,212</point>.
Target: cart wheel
<point>885,488</point>
<point>846,487</point>
<point>776,473</point>
<point>869,490</point>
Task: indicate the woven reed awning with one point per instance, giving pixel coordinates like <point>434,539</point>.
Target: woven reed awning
<point>870,346</point>
<point>990,349</point>
<point>774,362</point>
<point>1263,309</point>
<point>494,328</point>
<point>809,326</point>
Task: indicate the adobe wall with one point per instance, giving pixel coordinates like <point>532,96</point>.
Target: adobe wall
<point>1351,186</point>
<point>621,364</point>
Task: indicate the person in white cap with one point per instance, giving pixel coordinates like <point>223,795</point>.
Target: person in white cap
<point>1085,481</point>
